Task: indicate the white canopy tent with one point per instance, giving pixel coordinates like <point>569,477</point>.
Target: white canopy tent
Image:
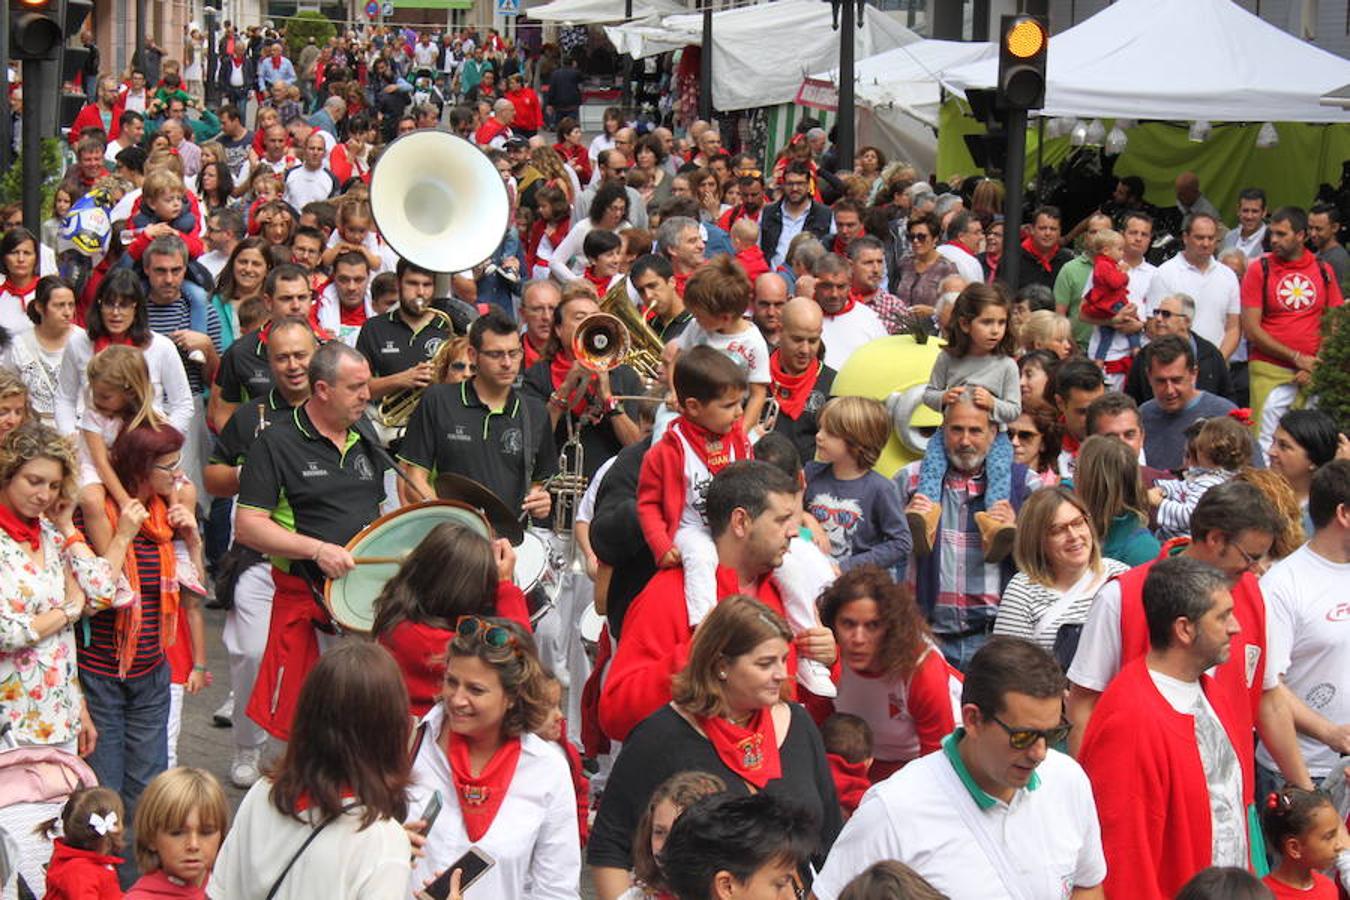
<point>598,12</point>
<point>1180,61</point>
<point>761,52</point>
<point>907,79</point>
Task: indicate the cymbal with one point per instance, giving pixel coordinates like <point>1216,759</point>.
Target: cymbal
<point>505,523</point>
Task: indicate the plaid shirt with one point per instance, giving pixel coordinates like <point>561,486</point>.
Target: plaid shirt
<point>968,589</point>
<point>893,311</point>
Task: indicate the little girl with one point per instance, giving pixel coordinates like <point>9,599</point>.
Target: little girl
<point>180,821</point>
<point>1107,298</point>
<point>977,362</point>
<point>674,795</point>
<point>554,730</point>
<point>1304,828</point>
<point>51,229</point>
<point>859,508</point>
<point>1216,450</point>
<point>83,865</point>
<point>356,231</point>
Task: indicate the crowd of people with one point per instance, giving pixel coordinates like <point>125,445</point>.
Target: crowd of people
<point>1085,644</point>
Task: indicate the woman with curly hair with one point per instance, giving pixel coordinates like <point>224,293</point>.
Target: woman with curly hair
<point>891,673</point>
<point>553,170</point>
<point>1281,496</point>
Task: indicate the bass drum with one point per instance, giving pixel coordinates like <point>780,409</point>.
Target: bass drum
<point>533,575</point>
<point>379,550</point>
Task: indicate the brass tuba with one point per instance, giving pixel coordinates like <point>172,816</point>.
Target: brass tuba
<point>397,408</point>
<point>618,335</point>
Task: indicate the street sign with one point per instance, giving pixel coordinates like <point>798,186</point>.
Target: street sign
<point>372,9</point>
<point>387,8</point>
<point>508,7</point>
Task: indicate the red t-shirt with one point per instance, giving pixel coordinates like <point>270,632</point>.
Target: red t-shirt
<point>1292,298</point>
<point>1323,887</point>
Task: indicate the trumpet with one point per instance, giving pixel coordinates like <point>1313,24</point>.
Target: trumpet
<point>618,335</point>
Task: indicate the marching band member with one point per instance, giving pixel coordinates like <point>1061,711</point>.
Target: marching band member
<point>399,345</point>
<point>483,428</point>
<point>308,485</point>
<point>291,346</point>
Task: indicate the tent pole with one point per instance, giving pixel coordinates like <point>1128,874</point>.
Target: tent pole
<point>843,144</point>
<point>705,74</point>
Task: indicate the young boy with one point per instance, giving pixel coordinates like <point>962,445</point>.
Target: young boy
<point>718,295</point>
<point>165,209</point>
<point>745,241</point>
<point>848,747</point>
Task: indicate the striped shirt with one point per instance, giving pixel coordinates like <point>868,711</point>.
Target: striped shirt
<point>166,318</point>
<point>1025,602</point>
<point>97,647</point>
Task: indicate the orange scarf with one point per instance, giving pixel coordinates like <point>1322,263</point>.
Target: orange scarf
<point>127,631</point>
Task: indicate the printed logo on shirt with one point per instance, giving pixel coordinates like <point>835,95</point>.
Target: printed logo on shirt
<point>512,441</point>
<point>840,518</point>
<point>458,434</point>
<point>896,706</point>
<point>700,492</point>
<point>389,348</point>
<point>1296,291</point>
<point>361,465</point>
<point>1253,658</point>
<point>313,470</point>
<point>433,345</point>
<point>1320,695</point>
<point>1339,613</point>
<point>815,402</point>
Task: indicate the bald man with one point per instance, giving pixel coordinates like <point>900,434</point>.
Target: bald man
<point>497,129</point>
<point>1189,198</point>
<point>801,382</point>
<point>771,295</point>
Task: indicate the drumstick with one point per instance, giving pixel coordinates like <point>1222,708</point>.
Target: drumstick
<point>378,560</point>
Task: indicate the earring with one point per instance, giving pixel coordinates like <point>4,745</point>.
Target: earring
<point>722,676</point>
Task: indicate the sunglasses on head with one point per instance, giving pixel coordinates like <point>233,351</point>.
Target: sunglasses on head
<point>489,634</point>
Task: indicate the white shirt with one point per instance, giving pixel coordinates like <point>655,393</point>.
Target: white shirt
<point>792,226</point>
<point>342,863</point>
<point>328,312</point>
<point>214,262</point>
<point>1214,290</point>
<point>168,379</point>
<point>1051,834</point>
<point>305,185</point>
<point>424,55</point>
<point>746,348</point>
<point>122,211</point>
<point>533,838</point>
<point>1251,246</point>
<point>967,266</point>
<point>845,333</point>
<point>1308,638</point>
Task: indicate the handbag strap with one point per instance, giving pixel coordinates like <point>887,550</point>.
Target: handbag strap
<point>276,885</point>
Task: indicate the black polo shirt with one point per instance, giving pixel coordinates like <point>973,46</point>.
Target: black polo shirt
<point>802,430</point>
<point>598,441</point>
<point>244,371</point>
<point>452,430</point>
<point>244,426</point>
<point>307,485</point>
<point>669,331</point>
<point>391,346</point>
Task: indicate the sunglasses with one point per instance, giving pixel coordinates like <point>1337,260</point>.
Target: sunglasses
<point>493,636</point>
<point>1022,738</point>
<point>918,236</point>
<point>1019,435</point>
<point>1168,314</point>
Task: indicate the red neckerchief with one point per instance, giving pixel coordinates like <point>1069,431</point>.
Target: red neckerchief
<point>25,294</point>
<point>276,62</point>
<point>992,262</point>
<point>264,331</point>
<point>969,252</point>
<point>681,279</point>
<point>22,530</point>
<point>857,296</point>
<point>751,752</point>
<point>717,451</point>
<point>558,369</point>
<point>850,780</point>
<point>839,247</point>
<point>532,355</point>
<point>848,308</point>
<point>480,796</point>
<point>792,391</point>
<point>354,316</point>
<point>1045,259</point>
<point>1071,444</point>
<point>601,283</point>
<point>108,340</point>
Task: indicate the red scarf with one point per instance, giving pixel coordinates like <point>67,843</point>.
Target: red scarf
<point>122,340</point>
<point>558,369</point>
<point>967,251</point>
<point>681,279</point>
<point>850,781</point>
<point>22,530</point>
<point>354,316</point>
<point>481,795</point>
<point>601,283</point>
<point>1070,443</point>
<point>790,392</point>
<point>276,62</point>
<point>1045,259</point>
<point>24,294</point>
<point>532,355</point>
<point>848,307</point>
<point>127,630</point>
<point>717,451</point>
<point>751,752</point>
<point>840,246</point>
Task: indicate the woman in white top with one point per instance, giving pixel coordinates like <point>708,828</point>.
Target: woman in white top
<point>1060,569</point>
<point>505,791</point>
<point>609,210</point>
<point>610,125</point>
<point>119,316</point>
<point>328,822</point>
<point>36,354</point>
<point>19,265</point>
<point>46,573</point>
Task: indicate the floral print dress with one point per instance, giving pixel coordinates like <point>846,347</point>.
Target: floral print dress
<point>39,686</point>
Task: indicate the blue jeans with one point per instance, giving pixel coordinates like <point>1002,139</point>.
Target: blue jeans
<point>997,468</point>
<point>959,651</point>
<point>132,718</point>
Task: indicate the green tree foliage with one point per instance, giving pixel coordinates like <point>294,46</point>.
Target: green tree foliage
<point>304,25</point>
<point>11,181</point>
<point>1331,375</point>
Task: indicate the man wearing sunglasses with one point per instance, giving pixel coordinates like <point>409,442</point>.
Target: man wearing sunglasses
<point>1173,315</point>
<point>1162,749</point>
<point>997,813</point>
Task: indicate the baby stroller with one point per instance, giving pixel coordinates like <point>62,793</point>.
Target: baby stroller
<point>34,785</point>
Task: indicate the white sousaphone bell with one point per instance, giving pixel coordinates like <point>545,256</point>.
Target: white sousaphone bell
<point>439,201</point>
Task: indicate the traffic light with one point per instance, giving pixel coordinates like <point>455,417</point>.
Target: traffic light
<point>41,32</point>
<point>990,149</point>
<point>34,29</point>
<point>1022,49</point>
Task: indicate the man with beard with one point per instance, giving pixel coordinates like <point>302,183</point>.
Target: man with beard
<point>752,202</point>
<point>868,257</point>
<point>789,217</point>
<point>1324,227</point>
<point>344,303</point>
<point>399,345</point>
<point>954,585</point>
<point>848,324</point>
<point>801,382</point>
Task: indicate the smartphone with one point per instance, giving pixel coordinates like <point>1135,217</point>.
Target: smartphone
<point>432,810</point>
<point>472,865</point>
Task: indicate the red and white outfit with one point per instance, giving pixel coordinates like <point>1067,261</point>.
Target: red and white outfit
<point>336,319</point>
<point>14,302</point>
<point>532,833</point>
<point>672,493</point>
<point>847,330</point>
<point>966,262</point>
